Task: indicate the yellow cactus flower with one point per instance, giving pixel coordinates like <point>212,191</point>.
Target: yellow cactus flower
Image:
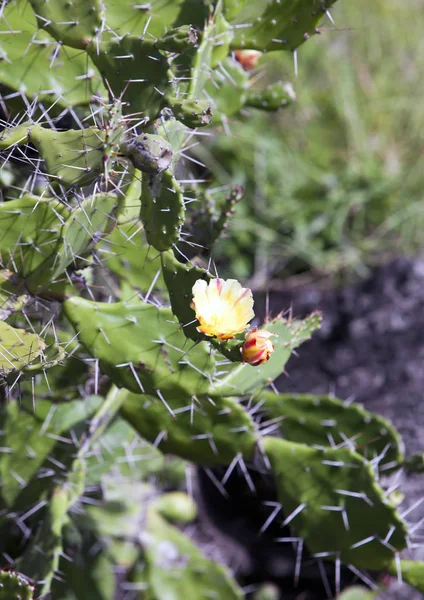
<point>257,347</point>
<point>223,307</point>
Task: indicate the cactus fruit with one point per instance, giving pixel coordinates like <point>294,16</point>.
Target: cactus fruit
<point>14,587</point>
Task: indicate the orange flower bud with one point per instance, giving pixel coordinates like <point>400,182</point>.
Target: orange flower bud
<point>247,58</point>
<point>257,347</point>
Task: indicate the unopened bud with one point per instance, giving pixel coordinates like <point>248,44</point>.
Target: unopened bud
<point>247,58</point>
<point>257,347</point>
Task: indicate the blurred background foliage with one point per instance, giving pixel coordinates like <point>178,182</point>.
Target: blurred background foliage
<point>335,184</point>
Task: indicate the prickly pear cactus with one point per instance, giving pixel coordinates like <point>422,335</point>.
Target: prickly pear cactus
<point>14,587</point>
<point>126,362</point>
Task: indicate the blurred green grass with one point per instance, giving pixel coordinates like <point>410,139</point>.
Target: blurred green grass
<point>335,182</point>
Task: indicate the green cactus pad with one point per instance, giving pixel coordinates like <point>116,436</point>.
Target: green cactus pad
<point>276,95</point>
<point>32,435</point>
<point>30,231</point>
<point>191,112</point>
<point>84,227</point>
<point>175,568</point>
<point>331,499</point>
<point>226,89</point>
<point>162,210</point>
<point>155,18</point>
<point>33,63</point>
<point>12,296</point>
<point>18,349</point>
<point>179,279</point>
<point>148,153</point>
<point>232,8</point>
<point>281,25</point>
<point>14,587</point>
<point>74,157</point>
<point>201,430</point>
<point>245,379</point>
<point>40,560</point>
<point>74,23</point>
<point>178,39</point>
<point>135,71</point>
<point>133,261</point>
<point>141,347</point>
<point>110,456</point>
<point>326,421</point>
<point>15,136</point>
<point>411,571</point>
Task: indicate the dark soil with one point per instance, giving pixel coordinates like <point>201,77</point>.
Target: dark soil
<point>370,349</point>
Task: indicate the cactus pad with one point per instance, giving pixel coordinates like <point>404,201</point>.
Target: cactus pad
<point>74,157</point>
<point>162,210</point>
<point>279,25</point>
<point>18,349</point>
<point>141,347</point>
<point>30,231</point>
<point>411,571</point>
<point>203,431</point>
<point>74,23</point>
<point>179,279</point>
<point>14,587</point>
<point>326,421</point>
<point>134,71</point>
<point>175,568</point>
<point>30,62</point>
<point>276,95</point>
<point>331,499</point>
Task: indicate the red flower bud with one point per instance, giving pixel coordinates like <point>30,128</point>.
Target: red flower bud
<point>257,347</point>
<point>247,58</point>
